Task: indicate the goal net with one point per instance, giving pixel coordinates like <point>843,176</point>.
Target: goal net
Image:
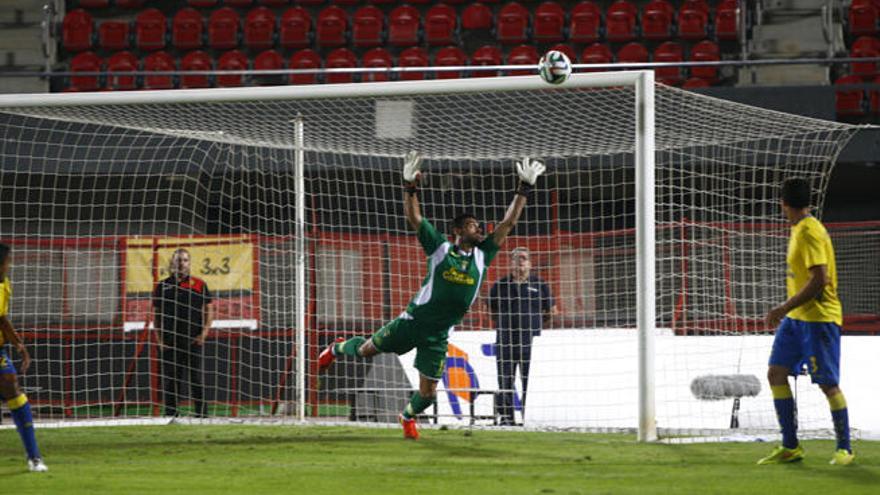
<point>99,191</point>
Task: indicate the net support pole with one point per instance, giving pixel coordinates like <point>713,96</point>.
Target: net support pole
<point>300,242</point>
<point>645,255</point>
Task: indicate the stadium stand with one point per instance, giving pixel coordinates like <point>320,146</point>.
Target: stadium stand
<point>158,61</point>
<point>193,61</point>
<point>439,30</point>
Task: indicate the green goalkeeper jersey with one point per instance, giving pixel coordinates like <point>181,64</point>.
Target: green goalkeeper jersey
<point>453,280</point>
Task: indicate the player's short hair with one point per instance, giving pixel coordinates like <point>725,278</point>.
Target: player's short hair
<point>519,249</point>
<point>796,193</point>
<point>459,221</point>
<point>4,252</point>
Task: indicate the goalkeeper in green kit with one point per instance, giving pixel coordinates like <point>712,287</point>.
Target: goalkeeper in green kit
<point>455,272</point>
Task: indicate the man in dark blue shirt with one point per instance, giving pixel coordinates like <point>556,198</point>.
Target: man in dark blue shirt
<point>519,304</point>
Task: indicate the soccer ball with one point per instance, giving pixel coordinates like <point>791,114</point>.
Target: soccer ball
<point>554,67</point>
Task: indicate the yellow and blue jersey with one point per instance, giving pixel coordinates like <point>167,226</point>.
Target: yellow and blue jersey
<point>809,246</point>
<point>5,299</point>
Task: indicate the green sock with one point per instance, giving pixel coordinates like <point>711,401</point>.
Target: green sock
<point>416,405</point>
<point>349,347</point>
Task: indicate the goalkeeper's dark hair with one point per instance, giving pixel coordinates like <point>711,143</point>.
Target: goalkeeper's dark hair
<point>4,253</point>
<point>796,193</point>
<point>459,221</point>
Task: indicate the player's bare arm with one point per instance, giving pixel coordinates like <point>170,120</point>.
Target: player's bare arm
<point>813,288</point>
<point>411,174</point>
<point>208,310</point>
<point>528,171</point>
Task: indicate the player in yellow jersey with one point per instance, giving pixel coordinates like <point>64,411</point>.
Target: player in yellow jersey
<point>19,407</point>
<point>808,332</point>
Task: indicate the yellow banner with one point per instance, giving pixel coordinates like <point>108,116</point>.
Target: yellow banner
<point>225,263</point>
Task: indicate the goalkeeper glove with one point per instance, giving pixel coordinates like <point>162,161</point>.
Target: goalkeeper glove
<point>411,163</point>
<point>528,171</point>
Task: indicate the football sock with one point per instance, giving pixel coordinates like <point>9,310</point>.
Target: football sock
<point>349,347</point>
<point>784,404</point>
<point>416,405</point>
<point>840,416</point>
<point>24,423</point>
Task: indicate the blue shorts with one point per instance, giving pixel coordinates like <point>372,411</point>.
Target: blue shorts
<point>6,366</point>
<point>814,344</point>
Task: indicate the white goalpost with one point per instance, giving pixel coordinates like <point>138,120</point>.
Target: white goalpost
<point>656,227</point>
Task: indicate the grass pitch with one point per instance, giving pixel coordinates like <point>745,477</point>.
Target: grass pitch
<point>341,460</point>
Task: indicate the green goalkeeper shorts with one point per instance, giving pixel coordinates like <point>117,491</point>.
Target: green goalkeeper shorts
<point>401,336</point>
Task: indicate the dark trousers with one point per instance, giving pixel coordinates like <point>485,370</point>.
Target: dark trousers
<point>509,356</point>
<point>182,363</point>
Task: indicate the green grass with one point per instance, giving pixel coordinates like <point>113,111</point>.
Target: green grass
<point>312,460</point>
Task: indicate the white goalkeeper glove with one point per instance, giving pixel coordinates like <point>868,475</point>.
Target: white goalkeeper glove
<point>411,163</point>
<point>529,170</point>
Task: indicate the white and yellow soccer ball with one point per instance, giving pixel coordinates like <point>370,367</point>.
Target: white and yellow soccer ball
<point>554,67</point>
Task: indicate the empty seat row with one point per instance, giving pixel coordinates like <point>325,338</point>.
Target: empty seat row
<point>404,26</point>
<point>413,57</point>
<point>135,4</point>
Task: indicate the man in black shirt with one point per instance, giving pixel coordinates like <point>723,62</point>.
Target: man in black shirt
<point>519,303</point>
<point>183,316</point>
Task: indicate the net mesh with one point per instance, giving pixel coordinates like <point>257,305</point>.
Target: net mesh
<point>97,197</point>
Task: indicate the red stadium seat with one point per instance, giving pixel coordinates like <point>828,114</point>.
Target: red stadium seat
<point>150,27</point>
<point>85,62</point>
<point>274,3</point>
<point>632,53</point>
<point>549,23</point>
<point>332,25</point>
<point>367,24</point>
<point>669,51</point>
<point>202,3</point>
<point>113,35</point>
<point>657,19</point>
<point>486,55</point>
<point>597,53</point>
<point>620,21</point>
<point>477,16</point>
<point>864,47</point>
<point>130,4</point>
<point>696,82</point>
<point>121,62</point>
<point>238,3</point>
<point>705,51</point>
<point>441,23</point>
<point>566,49</point>
<point>156,62</point>
<point>523,55</point>
<point>338,59</point>
<point>311,2</point>
<point>346,2</point>
<point>849,101</point>
<point>304,59</point>
<point>450,56</point>
<point>197,60</point>
<point>403,26</point>
<point>512,24</point>
<point>379,2</point>
<point>413,57</point>
<point>727,20</point>
<point>231,60</point>
<point>186,29</point>
<point>296,28</point>
<point>223,26</point>
<point>268,60</point>
<point>94,4</point>
<point>862,17</point>
<point>259,28</point>
<point>693,17</point>
<point>584,23</point>
<point>77,31</point>
<point>377,57</point>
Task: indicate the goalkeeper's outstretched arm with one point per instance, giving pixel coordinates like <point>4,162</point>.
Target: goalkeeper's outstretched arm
<point>411,175</point>
<point>528,171</point>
